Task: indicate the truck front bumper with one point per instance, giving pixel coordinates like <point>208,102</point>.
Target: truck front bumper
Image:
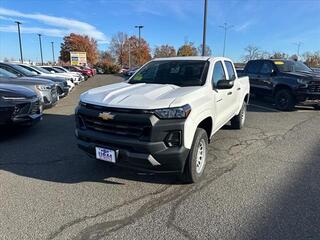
<point>143,156</point>
<point>150,152</point>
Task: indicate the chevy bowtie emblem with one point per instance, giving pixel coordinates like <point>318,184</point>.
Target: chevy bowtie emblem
<point>106,116</point>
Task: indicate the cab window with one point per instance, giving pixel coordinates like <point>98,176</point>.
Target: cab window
<point>230,70</point>
<point>218,73</point>
<point>266,68</point>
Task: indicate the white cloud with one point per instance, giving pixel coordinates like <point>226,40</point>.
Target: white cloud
<point>244,26</point>
<point>62,25</point>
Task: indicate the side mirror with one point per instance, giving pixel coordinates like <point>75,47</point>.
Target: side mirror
<point>224,84</point>
<point>52,71</point>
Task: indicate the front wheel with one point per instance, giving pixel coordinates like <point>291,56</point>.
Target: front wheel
<point>197,158</point>
<point>284,100</point>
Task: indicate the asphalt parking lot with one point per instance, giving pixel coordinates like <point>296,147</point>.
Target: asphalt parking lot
<point>262,182</point>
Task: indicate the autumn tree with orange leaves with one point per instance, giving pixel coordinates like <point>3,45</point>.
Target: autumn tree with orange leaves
<point>122,46</point>
<point>79,43</point>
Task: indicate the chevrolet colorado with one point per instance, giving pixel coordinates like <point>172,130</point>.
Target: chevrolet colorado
<point>289,82</point>
<point>163,117</point>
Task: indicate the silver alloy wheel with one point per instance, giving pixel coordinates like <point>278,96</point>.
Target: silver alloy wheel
<point>201,156</point>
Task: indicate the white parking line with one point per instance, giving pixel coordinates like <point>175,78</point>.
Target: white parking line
<point>265,108</point>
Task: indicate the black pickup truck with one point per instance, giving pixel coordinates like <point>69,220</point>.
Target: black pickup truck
<point>288,82</point>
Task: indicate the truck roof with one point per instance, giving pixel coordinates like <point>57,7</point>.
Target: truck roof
<point>192,58</point>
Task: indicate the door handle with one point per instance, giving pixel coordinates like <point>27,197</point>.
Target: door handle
<point>238,89</point>
<point>229,93</point>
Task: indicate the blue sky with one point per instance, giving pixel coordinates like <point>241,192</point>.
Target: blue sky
<point>273,25</point>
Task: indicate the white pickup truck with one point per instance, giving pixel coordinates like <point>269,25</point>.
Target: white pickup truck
<point>163,117</point>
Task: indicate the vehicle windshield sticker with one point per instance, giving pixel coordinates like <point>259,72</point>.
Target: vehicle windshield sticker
<point>278,62</point>
<point>138,77</point>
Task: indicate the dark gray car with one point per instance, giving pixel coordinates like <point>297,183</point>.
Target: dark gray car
<point>61,83</point>
<point>45,89</point>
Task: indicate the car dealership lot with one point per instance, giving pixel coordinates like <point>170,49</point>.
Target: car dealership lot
<point>262,182</point>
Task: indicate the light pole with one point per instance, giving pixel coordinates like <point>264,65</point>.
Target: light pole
<point>298,44</point>
<point>21,57</point>
<point>52,47</point>
<point>139,27</point>
<point>40,48</point>
<point>226,28</point>
<point>204,27</point>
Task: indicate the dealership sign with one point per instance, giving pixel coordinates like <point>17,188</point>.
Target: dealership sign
<point>78,58</point>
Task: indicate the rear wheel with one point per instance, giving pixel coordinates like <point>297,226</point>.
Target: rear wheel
<point>197,158</point>
<point>237,122</point>
<point>284,100</point>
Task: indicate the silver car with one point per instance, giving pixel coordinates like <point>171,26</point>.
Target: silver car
<point>45,89</point>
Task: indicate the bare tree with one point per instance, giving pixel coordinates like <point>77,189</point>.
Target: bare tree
<point>312,59</point>
<point>117,48</point>
<point>207,51</point>
<point>252,53</point>
<point>279,55</point>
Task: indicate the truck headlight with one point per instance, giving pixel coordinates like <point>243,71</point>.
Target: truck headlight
<point>302,82</point>
<point>43,87</point>
<point>173,113</point>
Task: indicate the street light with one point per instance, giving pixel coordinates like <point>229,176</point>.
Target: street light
<point>21,57</point>
<point>139,27</point>
<point>298,44</point>
<point>40,48</point>
<point>226,28</point>
<point>52,47</point>
<point>204,27</point>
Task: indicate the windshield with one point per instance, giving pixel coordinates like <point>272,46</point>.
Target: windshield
<point>181,73</point>
<point>60,69</point>
<point>57,70</point>
<point>40,69</point>
<point>4,73</point>
<point>292,66</point>
<point>24,71</point>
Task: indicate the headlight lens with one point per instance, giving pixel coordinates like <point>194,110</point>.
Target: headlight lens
<point>302,81</point>
<point>43,87</point>
<point>173,113</point>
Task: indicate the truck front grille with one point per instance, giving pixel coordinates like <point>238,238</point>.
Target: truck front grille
<point>22,108</point>
<point>314,87</point>
<point>133,130</point>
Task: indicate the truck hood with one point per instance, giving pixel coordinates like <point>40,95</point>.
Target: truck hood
<point>312,76</point>
<point>136,96</point>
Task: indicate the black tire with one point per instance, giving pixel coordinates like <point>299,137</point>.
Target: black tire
<point>191,173</point>
<point>284,100</point>
<point>237,122</point>
<point>317,106</point>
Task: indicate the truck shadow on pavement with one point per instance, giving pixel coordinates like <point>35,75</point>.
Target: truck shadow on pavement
<point>48,151</point>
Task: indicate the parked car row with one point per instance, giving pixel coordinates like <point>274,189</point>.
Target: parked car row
<point>25,90</point>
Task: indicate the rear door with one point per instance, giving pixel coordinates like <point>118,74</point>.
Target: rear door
<point>252,69</point>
